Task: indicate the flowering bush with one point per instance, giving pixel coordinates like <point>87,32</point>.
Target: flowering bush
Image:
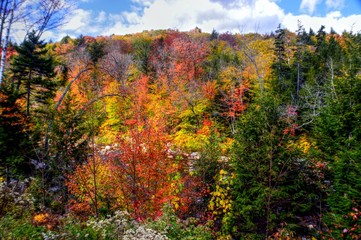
<point>14,199</point>
<point>141,233</point>
<point>111,227</point>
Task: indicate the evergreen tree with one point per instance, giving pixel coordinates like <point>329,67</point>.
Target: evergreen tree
<point>214,35</point>
<point>338,134</point>
<point>96,51</point>
<point>280,67</point>
<point>327,56</point>
<point>69,148</point>
<point>33,73</point>
<point>320,69</point>
<point>14,140</point>
<point>299,58</point>
<point>271,184</point>
<point>142,50</point>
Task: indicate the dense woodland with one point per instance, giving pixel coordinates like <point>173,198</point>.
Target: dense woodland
<point>182,135</point>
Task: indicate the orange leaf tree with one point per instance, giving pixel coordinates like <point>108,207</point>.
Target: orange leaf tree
<point>92,184</point>
<point>144,170</point>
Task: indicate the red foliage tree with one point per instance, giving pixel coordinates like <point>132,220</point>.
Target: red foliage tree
<point>144,169</point>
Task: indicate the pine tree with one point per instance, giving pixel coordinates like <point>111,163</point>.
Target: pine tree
<point>96,51</point>
<point>33,73</point>
<point>280,67</point>
<point>142,50</point>
<point>338,135</point>
<point>271,190</point>
<point>69,148</point>
<point>214,35</point>
<point>299,58</point>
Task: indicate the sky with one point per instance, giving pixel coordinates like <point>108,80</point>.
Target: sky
<point>119,17</point>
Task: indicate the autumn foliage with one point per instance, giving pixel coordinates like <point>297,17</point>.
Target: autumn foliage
<point>255,135</point>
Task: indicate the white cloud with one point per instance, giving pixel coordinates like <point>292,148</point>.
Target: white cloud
<point>262,16</point>
<point>245,15</point>
<point>83,22</point>
<point>333,19</point>
<point>335,4</point>
<point>80,19</point>
<point>130,18</point>
<point>102,17</point>
<point>144,2</point>
<point>309,5</point>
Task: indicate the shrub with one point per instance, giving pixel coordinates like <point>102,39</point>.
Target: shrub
<point>12,228</point>
<point>14,199</point>
<point>175,228</point>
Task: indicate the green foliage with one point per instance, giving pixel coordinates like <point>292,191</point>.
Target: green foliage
<point>13,228</point>
<point>294,165</point>
<point>338,136</point>
<point>33,72</point>
<point>270,186</point>
<point>176,228</point>
<point>65,40</point>
<point>189,141</point>
<point>13,128</point>
<point>208,164</point>
<point>67,149</point>
<point>84,230</point>
<point>280,67</point>
<point>221,203</point>
<point>96,50</point>
<point>142,49</point>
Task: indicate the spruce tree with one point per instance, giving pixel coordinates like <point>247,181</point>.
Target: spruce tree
<point>280,67</point>
<point>338,135</point>
<point>69,148</point>
<point>271,183</point>
<point>33,73</point>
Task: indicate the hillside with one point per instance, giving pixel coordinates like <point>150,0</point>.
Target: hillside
<point>182,135</point>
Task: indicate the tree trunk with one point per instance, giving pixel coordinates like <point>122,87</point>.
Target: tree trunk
<point>28,96</point>
<point>269,196</point>
<point>298,80</point>
<point>3,12</point>
<point>331,66</point>
<point>268,204</point>
<point>7,176</point>
<point>43,181</point>
<point>6,40</point>
<point>94,170</point>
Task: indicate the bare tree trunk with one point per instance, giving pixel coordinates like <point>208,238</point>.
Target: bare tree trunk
<point>3,12</point>
<point>52,15</point>
<point>331,67</point>
<point>6,40</point>
<point>298,80</point>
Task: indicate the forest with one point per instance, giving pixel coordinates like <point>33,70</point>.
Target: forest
<point>166,134</point>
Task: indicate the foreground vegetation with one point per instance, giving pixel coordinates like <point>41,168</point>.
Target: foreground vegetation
<point>182,135</point>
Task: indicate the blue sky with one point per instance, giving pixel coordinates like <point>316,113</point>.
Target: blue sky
<point>109,6</point>
<point>321,8</point>
<point>106,17</point>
